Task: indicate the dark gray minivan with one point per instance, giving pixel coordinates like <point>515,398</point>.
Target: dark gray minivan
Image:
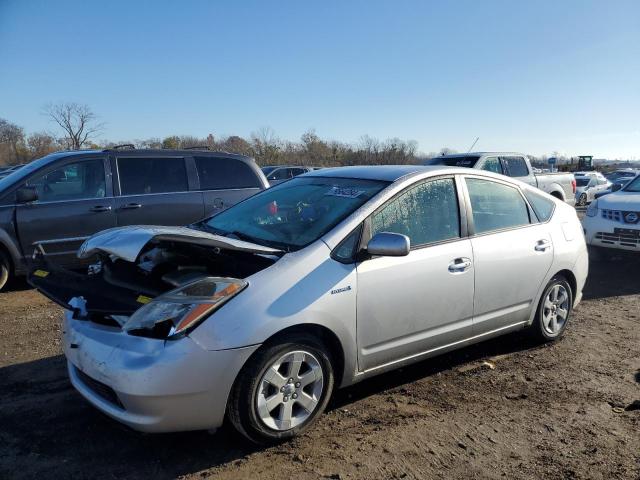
<point>61,199</point>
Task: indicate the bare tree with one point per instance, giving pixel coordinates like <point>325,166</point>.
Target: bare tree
<point>78,122</point>
<point>11,142</point>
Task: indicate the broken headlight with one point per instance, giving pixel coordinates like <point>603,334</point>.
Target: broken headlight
<point>174,313</point>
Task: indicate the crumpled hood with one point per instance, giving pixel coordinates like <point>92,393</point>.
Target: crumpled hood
<point>127,242</point>
<point>621,200</point>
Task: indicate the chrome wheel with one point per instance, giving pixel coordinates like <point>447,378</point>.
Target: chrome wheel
<point>555,310</point>
<point>583,199</point>
<point>290,390</point>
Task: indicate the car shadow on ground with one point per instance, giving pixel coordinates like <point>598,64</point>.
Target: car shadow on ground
<point>47,428</point>
<point>616,277</point>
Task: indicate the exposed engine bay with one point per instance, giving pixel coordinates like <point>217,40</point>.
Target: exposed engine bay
<point>113,287</point>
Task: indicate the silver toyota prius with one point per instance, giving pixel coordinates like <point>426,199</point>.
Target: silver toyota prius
<point>258,313</point>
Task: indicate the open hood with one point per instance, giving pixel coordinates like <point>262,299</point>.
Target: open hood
<point>127,242</point>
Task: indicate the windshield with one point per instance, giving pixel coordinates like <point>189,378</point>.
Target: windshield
<point>268,170</point>
<point>294,214</point>
<point>467,161</point>
<point>633,186</point>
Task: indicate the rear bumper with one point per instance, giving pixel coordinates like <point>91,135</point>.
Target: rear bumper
<point>150,385</point>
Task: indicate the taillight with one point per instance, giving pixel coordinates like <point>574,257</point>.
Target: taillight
<point>573,185</point>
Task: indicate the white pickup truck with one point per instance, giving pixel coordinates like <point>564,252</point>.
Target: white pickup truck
<point>516,165</point>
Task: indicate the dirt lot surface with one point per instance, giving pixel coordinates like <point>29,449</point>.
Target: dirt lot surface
<point>556,411</point>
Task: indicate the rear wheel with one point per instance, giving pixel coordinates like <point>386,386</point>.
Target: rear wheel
<point>553,311</point>
<point>282,390</point>
<point>5,269</point>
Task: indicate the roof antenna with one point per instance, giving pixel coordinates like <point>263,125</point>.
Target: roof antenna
<point>473,144</point>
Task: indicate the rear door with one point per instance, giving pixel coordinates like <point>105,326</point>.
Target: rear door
<point>74,201</point>
<point>157,190</point>
<point>224,182</point>
<point>512,253</point>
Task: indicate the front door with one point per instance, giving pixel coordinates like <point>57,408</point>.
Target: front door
<point>74,202</point>
<point>410,305</point>
<point>155,191</point>
<point>512,255</point>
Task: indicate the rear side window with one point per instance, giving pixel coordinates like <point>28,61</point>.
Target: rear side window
<point>467,161</point>
<point>492,164</point>
<point>496,206</point>
<point>425,213</point>
<point>143,175</point>
<point>515,166</point>
<point>279,174</point>
<point>542,206</point>
<point>221,173</point>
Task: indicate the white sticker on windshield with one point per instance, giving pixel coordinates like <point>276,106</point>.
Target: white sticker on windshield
<point>347,192</point>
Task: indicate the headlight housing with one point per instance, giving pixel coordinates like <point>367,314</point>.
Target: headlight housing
<point>177,312</point>
<point>592,211</point>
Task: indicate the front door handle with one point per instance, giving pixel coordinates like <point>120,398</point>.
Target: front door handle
<point>100,208</point>
<point>130,206</point>
<point>460,265</point>
<point>542,245</point>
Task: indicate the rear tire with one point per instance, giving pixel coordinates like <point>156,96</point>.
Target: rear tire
<point>554,310</point>
<point>282,389</point>
<point>5,270</point>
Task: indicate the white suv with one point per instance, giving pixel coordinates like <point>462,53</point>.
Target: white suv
<point>613,221</point>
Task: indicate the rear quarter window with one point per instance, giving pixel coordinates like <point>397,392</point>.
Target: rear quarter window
<point>542,206</point>
<point>223,173</point>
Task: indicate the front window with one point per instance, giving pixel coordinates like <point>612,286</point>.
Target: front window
<point>296,213</point>
<point>426,213</point>
<point>75,181</point>
<point>633,186</point>
<point>268,170</point>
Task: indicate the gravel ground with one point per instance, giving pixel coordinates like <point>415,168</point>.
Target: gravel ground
<point>556,411</point>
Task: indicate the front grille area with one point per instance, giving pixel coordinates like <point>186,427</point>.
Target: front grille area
<point>621,216</point>
<point>619,239</point>
<point>615,215</point>
<point>103,391</point>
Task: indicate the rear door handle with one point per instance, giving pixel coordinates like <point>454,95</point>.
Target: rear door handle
<point>130,206</point>
<point>460,265</point>
<point>100,208</point>
<point>542,245</point>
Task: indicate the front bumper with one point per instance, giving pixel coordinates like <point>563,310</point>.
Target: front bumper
<point>150,385</point>
<point>601,232</point>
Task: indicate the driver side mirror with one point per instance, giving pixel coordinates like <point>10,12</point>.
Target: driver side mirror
<point>615,187</point>
<point>387,244</point>
<point>26,195</point>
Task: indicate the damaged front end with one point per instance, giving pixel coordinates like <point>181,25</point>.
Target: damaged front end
<point>157,282</point>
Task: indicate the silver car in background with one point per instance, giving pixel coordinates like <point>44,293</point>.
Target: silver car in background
<point>261,311</point>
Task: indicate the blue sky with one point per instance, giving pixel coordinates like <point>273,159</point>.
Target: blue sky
<point>536,77</point>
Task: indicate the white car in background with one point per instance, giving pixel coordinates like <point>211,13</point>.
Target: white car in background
<point>612,222</point>
<point>588,184</point>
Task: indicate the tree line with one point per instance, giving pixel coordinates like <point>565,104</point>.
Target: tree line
<point>77,128</point>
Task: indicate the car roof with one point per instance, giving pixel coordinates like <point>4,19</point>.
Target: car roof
<point>387,173</point>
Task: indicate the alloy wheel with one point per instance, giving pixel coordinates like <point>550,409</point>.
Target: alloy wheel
<point>555,310</point>
<point>290,390</point>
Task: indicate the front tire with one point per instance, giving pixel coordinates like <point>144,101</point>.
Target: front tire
<point>5,270</point>
<point>282,389</point>
<point>582,200</point>
<point>553,311</point>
